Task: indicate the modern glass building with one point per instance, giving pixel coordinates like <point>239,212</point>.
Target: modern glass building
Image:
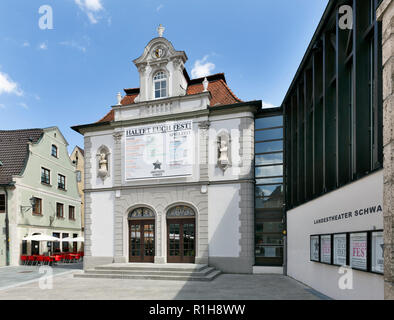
<point>269,199</point>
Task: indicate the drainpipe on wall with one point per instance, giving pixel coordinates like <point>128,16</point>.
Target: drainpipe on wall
<point>7,229</point>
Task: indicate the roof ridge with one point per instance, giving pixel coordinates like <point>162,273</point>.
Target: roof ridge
<point>211,75</point>
<point>23,130</point>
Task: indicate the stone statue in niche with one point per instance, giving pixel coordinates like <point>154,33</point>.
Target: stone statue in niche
<point>103,163</point>
<point>224,151</point>
<point>103,169</point>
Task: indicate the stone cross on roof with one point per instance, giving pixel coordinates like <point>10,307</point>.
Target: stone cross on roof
<point>160,30</point>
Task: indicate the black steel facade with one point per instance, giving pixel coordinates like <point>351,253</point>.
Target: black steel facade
<point>333,108</point>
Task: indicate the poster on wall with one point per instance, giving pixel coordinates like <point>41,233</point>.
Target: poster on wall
<point>377,252</point>
<point>159,150</point>
<point>325,249</point>
<point>315,248</point>
<point>340,248</point>
<point>358,250</point>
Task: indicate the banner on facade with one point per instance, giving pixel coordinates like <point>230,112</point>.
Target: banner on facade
<point>325,247</point>
<point>315,248</point>
<point>358,250</point>
<point>377,252</point>
<point>159,150</point>
<point>340,248</point>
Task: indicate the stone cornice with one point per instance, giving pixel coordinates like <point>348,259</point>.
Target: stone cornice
<point>164,185</point>
<point>162,101</point>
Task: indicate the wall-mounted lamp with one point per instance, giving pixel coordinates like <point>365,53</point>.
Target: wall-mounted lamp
<point>32,204</point>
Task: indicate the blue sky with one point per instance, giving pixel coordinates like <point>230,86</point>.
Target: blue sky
<point>70,75</point>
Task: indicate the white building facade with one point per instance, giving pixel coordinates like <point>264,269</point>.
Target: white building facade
<point>169,172</point>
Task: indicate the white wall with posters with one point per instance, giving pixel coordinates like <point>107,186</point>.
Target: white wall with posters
<point>159,150</point>
<point>346,214</point>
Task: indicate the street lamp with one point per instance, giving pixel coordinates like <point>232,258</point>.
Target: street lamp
<point>32,204</point>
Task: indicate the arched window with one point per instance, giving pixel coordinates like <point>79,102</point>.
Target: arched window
<point>181,212</point>
<point>160,85</point>
<point>141,213</point>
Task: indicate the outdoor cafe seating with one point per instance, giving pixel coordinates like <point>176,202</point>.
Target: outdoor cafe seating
<point>51,258</point>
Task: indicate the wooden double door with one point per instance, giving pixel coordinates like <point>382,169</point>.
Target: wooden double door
<point>141,240</point>
<point>181,240</point>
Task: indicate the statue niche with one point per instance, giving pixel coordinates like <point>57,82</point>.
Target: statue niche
<point>224,152</point>
<point>103,162</point>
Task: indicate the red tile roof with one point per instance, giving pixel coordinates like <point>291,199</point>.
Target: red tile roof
<point>220,92</point>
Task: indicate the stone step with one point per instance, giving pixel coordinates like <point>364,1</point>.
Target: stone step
<point>209,277</point>
<point>153,267</point>
<point>178,272</point>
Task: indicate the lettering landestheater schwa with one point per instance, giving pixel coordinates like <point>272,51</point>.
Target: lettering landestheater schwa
<point>348,215</point>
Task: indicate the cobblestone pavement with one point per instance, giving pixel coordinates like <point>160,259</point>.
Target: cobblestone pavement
<point>225,287</point>
<point>12,276</point>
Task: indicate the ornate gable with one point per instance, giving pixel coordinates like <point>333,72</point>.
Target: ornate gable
<point>160,56</point>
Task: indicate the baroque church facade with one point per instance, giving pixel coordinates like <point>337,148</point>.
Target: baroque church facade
<point>169,171</point>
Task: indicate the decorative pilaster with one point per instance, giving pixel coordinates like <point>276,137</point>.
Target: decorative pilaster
<point>246,150</point>
<point>118,154</point>
<point>88,200</point>
<point>118,212</point>
<point>203,128</point>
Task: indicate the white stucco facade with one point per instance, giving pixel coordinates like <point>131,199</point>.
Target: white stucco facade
<point>302,223</point>
<point>220,194</point>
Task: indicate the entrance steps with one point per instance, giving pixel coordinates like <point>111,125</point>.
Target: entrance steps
<point>145,271</point>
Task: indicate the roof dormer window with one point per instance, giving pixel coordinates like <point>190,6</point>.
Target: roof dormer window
<point>160,85</point>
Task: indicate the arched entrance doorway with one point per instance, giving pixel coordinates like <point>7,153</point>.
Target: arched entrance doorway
<point>141,235</point>
<point>181,231</point>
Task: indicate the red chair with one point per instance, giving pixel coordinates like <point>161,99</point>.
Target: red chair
<point>31,260</point>
<point>48,260</point>
<point>40,259</point>
<point>57,258</point>
<point>24,259</point>
<point>67,258</point>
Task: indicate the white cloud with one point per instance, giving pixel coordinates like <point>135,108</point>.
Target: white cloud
<point>73,44</point>
<point>160,7</point>
<point>91,8</point>
<point>7,85</point>
<point>43,46</point>
<point>267,105</point>
<point>26,44</point>
<point>24,105</point>
<point>202,68</point>
<point>2,106</point>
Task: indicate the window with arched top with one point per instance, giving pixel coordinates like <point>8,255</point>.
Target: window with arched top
<point>160,85</point>
<point>141,213</point>
<point>181,212</point>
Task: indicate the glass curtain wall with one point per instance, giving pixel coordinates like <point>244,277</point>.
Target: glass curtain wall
<point>269,191</point>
